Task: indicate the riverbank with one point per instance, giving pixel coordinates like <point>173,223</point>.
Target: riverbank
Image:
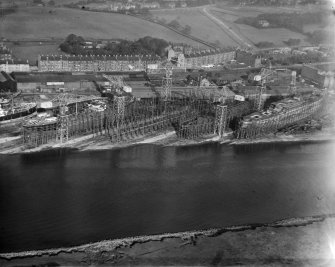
<point>99,142</point>
<point>324,135</point>
<point>299,241</point>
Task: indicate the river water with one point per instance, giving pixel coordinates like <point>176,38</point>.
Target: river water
<point>63,198</point>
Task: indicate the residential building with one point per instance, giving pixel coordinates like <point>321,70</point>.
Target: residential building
<point>208,57</point>
<point>11,65</point>
<point>85,63</point>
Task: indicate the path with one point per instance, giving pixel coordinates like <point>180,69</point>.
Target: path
<point>236,37</point>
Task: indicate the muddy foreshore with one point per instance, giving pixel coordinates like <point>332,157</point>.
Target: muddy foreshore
<point>110,245</point>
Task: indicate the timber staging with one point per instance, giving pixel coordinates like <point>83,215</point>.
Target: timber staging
<point>191,115</point>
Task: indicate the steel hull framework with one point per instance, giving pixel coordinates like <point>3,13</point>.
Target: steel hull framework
<point>272,124</point>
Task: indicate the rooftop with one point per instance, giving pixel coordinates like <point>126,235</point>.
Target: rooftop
<point>96,57</point>
<point>24,77</point>
<point>13,61</point>
<point>207,53</point>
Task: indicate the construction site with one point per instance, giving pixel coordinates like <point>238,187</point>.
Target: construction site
<point>197,111</point>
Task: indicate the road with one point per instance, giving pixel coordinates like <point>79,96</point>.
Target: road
<point>240,40</point>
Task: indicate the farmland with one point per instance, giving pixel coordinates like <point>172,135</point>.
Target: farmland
<point>48,27</point>
<point>229,14</point>
<point>201,26</point>
<point>204,28</point>
<point>41,24</point>
<point>255,35</point>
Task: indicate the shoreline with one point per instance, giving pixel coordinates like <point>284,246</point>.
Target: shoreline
<point>99,143</point>
<point>328,135</point>
<point>114,244</point>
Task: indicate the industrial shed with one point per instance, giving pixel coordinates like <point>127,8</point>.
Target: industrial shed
<point>58,82</point>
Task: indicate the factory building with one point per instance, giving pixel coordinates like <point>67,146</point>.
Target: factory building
<point>11,65</point>
<point>58,82</point>
<point>85,63</point>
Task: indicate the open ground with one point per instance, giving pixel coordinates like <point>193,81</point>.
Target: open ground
<point>40,24</point>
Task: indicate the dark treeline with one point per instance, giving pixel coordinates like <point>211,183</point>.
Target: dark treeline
<point>75,45</point>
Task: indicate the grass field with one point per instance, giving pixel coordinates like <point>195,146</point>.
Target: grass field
<point>201,26</point>
<point>229,14</point>
<point>255,35</point>
<point>37,22</point>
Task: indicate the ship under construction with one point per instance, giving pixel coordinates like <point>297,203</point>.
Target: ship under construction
<point>192,111</point>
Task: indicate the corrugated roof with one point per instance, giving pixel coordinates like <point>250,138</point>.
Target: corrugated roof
<point>13,61</point>
<point>55,77</point>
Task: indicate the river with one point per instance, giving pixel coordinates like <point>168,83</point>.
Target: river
<point>62,198</point>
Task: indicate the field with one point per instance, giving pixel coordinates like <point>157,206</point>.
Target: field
<point>255,35</point>
<point>201,26</point>
<point>40,24</point>
<point>54,24</point>
<point>229,15</point>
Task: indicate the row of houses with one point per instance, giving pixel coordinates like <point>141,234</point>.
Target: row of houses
<point>201,59</point>
<point>83,63</point>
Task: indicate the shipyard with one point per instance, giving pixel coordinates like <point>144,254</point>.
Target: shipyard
<point>167,133</point>
<point>54,107</point>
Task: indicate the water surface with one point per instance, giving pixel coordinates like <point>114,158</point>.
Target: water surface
<point>66,198</point>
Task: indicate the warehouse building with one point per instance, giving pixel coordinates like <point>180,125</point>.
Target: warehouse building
<point>11,65</point>
<point>58,82</point>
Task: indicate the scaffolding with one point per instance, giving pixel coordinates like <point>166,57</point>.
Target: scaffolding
<point>274,123</point>
<point>220,120</point>
<point>167,82</point>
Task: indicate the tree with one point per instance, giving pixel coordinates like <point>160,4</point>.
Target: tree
<point>51,3</point>
<point>37,2</point>
<point>187,30</point>
<point>174,24</point>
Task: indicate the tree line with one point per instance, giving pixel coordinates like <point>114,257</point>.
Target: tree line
<point>75,45</point>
